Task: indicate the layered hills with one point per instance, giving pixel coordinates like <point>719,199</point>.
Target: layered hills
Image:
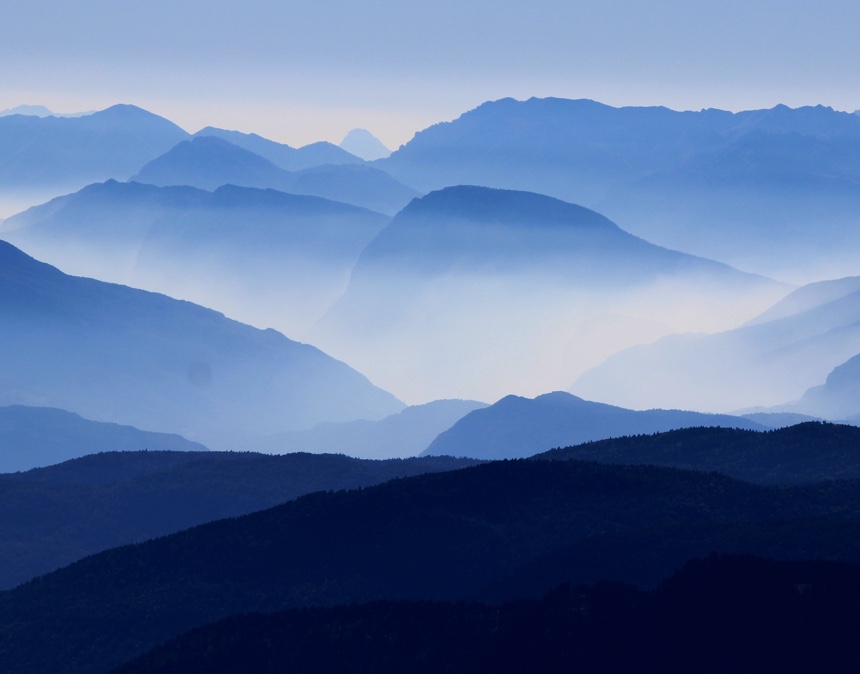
<point>111,353</point>
<point>76,508</point>
<point>262,256</point>
<point>744,188</point>
<point>282,155</point>
<point>497,290</point>
<point>771,360</point>
<point>40,436</point>
<point>442,537</point>
<point>208,162</point>
<point>804,453</point>
<point>722,613</point>
<point>838,397</point>
<point>66,153</point>
<point>516,427</point>
<point>401,435</point>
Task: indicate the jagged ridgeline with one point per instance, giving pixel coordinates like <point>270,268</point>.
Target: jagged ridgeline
<point>740,187</point>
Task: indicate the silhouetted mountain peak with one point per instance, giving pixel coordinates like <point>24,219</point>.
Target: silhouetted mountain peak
<point>234,136</point>
<point>212,148</point>
<point>508,207</point>
<point>364,144</point>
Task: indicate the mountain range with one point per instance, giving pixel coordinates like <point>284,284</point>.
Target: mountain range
<point>771,360</point>
<point>282,155</point>
<point>208,162</point>
<point>443,536</point>
<point>516,427</point>
<point>494,290</point>
<point>404,434</point>
<point>31,437</point>
<point>577,557</point>
<point>773,191</point>
<point>62,154</point>
<point>111,353</point>
<point>804,453</point>
<point>262,256</point>
<point>67,511</point>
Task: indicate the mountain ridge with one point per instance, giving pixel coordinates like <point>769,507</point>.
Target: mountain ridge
<point>109,352</point>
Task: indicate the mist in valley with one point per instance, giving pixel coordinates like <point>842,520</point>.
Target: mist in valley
<point>421,337</point>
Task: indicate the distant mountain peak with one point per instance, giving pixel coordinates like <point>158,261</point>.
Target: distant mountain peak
<point>494,205</point>
<point>40,111</point>
<point>364,144</point>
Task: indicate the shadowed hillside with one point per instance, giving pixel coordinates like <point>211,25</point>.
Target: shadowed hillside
<point>719,614</point>
<point>77,508</point>
<point>440,537</point>
<point>516,427</point>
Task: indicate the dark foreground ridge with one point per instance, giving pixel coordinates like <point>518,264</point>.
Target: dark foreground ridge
<point>439,537</point>
<point>84,506</point>
<point>804,453</point>
<point>721,614</point>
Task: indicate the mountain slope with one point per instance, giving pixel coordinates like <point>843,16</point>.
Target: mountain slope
<point>284,156</point>
<point>436,536</point>
<point>838,397</point>
<point>208,162</point>
<point>516,427</point>
<point>57,153</point>
<point>774,191</point>
<point>723,613</point>
<point>80,507</point>
<point>268,258</point>
<point>401,435</point>
<point>112,353</point>
<point>39,436</point>
<point>772,359</point>
<point>500,291</point>
<point>807,452</point>
<point>364,144</point>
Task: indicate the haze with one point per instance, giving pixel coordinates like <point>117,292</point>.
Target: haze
<point>302,72</point>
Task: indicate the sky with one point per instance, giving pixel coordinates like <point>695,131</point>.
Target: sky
<point>300,72</point>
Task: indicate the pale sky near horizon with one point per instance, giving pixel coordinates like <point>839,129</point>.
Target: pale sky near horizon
<point>300,72</point>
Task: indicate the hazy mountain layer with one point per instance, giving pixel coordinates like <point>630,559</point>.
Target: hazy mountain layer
<point>208,162</point>
<point>77,508</point>
<point>838,397</point>
<point>62,154</point>
<point>516,427</point>
<point>111,353</point>
<point>478,292</point>
<point>39,436</point>
<point>774,191</point>
<point>401,435</point>
<point>282,155</point>
<point>265,257</point>
<point>364,144</point>
<point>772,359</point>
<point>439,536</point>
